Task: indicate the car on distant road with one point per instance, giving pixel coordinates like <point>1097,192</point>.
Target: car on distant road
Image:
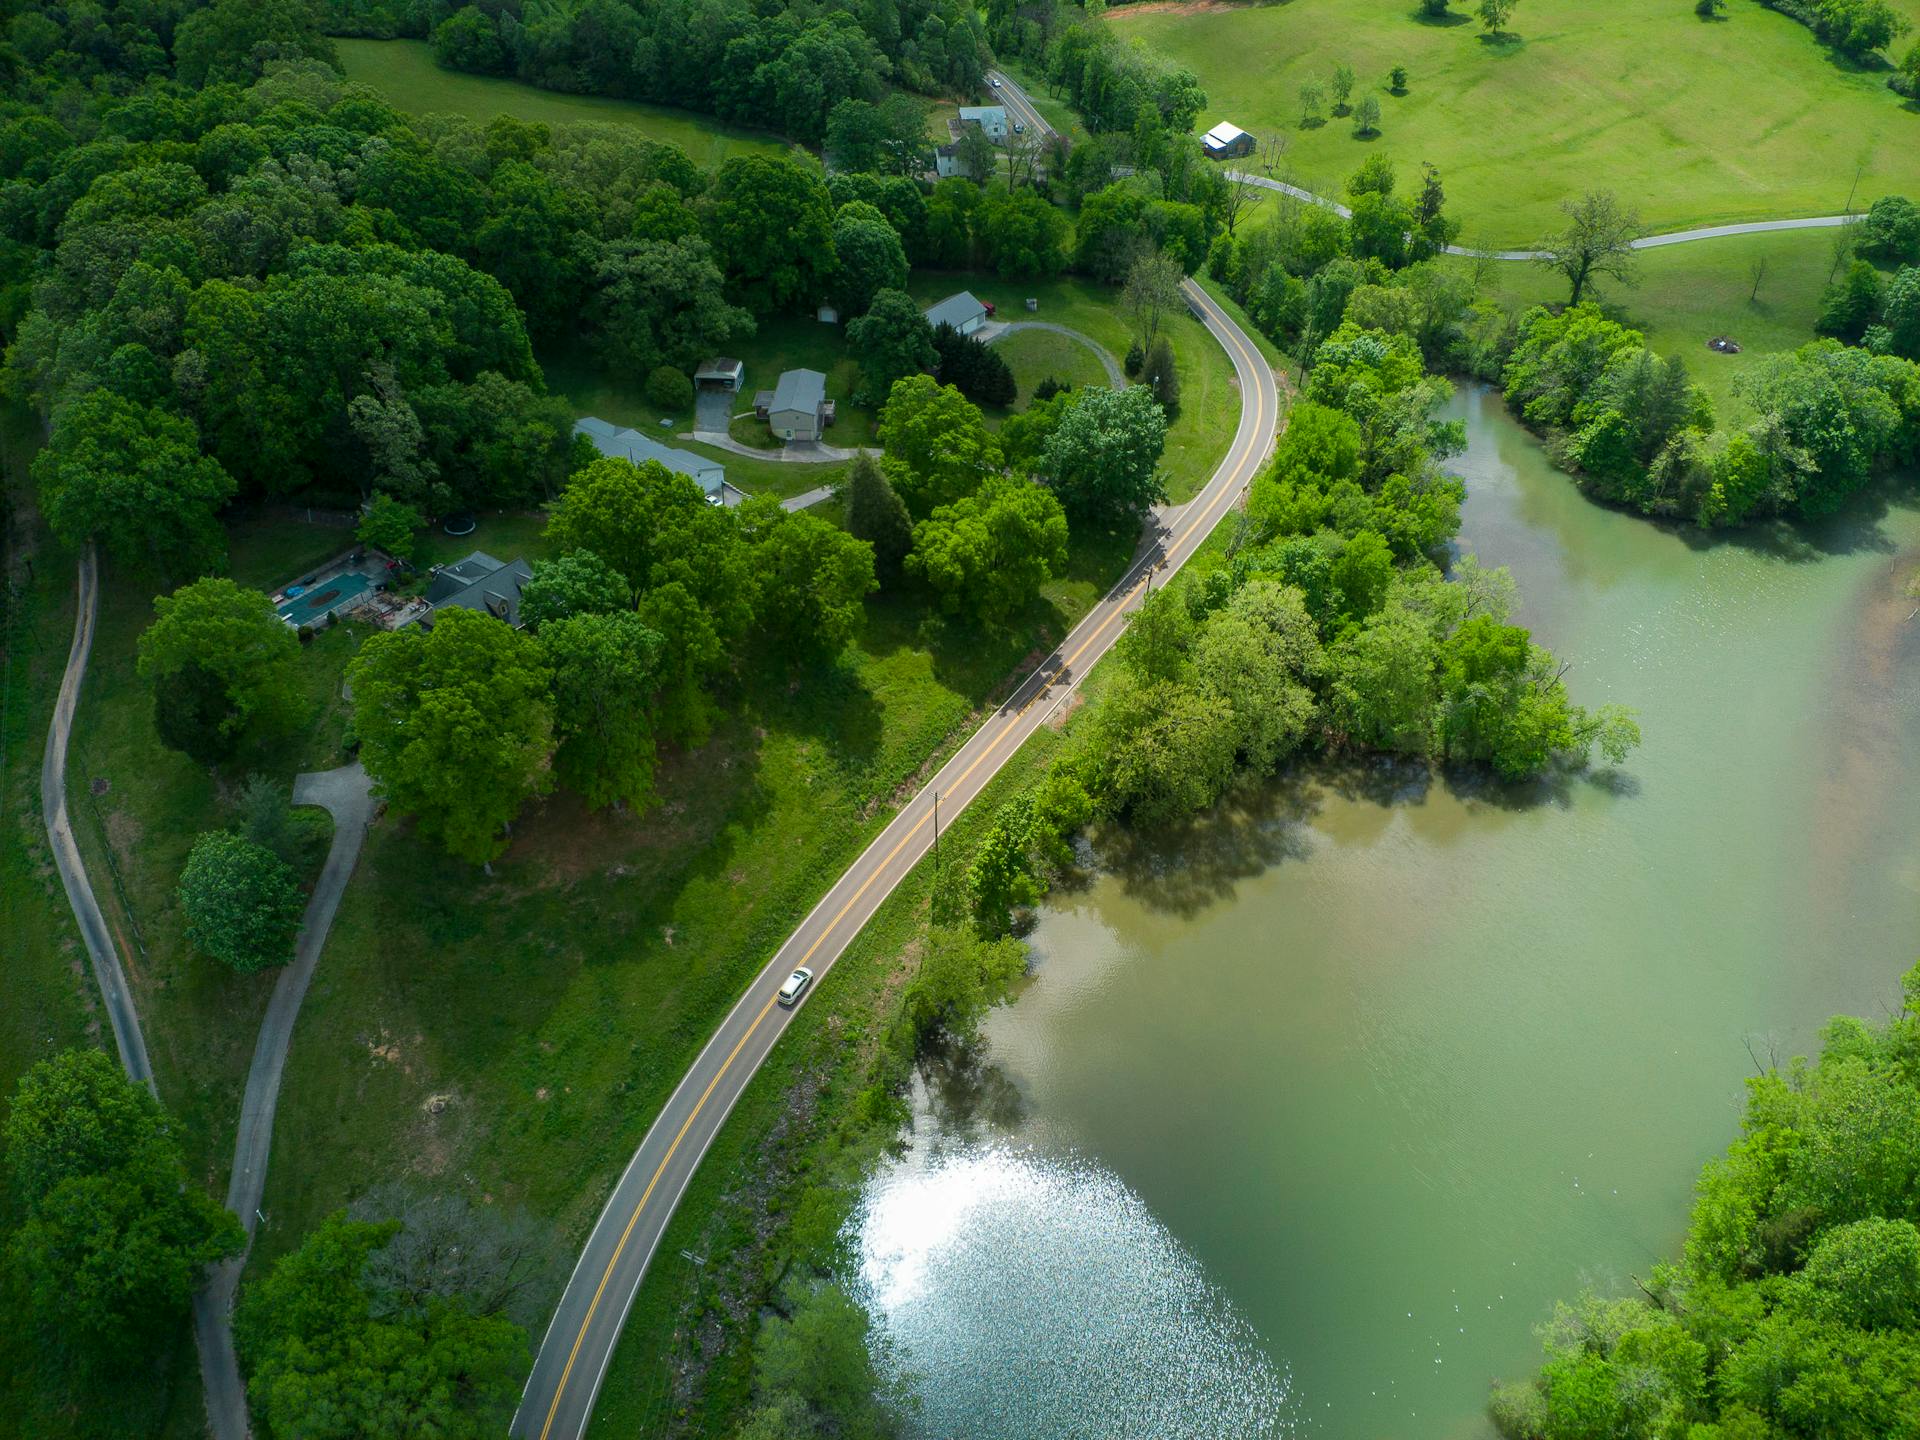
<point>1018,128</point>
<point>795,986</point>
<point>995,82</point>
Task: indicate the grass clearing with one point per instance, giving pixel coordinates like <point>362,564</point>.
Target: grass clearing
<point>1693,122</point>
<point>1037,355</point>
<point>404,72</point>
<point>1687,294</point>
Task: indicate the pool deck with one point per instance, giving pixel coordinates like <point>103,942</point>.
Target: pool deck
<point>341,582</point>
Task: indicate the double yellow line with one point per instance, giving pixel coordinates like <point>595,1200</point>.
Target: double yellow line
<point>1066,670</point>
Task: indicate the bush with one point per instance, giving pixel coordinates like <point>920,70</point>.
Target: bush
<point>1162,376</point>
<point>670,389</point>
<point>1397,80</point>
<point>1136,357</point>
<point>1890,233</point>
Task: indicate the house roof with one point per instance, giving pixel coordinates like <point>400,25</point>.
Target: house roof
<point>955,310</point>
<point>800,390</point>
<point>721,367</point>
<point>984,113</point>
<point>481,582</point>
<point>631,445</point>
<point>1225,133</point>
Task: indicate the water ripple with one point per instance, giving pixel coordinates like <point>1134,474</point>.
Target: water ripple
<point>1026,1297</point>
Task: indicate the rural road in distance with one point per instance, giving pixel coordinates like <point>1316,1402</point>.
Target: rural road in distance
<point>578,1347</point>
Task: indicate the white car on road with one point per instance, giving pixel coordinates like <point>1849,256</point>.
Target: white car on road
<point>795,986</point>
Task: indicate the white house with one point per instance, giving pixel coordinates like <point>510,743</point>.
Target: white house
<point>990,118</point>
<point>630,444</point>
<point>963,312</point>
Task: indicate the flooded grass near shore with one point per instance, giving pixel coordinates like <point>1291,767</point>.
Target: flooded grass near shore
<point>1319,1105</point>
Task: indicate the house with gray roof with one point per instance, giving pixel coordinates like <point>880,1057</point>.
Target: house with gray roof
<point>963,312</point>
<point>990,118</point>
<point>630,444</point>
<point>799,409</point>
<point>479,582</point>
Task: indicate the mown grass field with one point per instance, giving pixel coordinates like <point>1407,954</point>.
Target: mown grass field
<point>1693,122</point>
<point>1687,294</point>
<point>404,72</point>
<point>1037,355</point>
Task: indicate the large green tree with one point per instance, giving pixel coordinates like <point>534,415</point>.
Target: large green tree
<point>810,578</point>
<point>877,515</point>
<point>771,223</point>
<point>1103,458</point>
<point>114,1240</point>
<point>938,447</point>
<point>987,555</point>
<point>868,256</point>
<point>577,583</point>
<point>242,903</point>
<point>224,667</point>
<point>335,1351</point>
<point>606,668</point>
<point>455,726</point>
<point>891,341</point>
<point>133,478</point>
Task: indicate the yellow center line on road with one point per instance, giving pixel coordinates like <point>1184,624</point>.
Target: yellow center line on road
<point>1119,609</point>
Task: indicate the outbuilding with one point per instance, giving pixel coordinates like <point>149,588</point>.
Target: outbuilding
<point>629,444</point>
<point>964,312</point>
<point>720,373</point>
<point>798,409</point>
<point>1226,140</point>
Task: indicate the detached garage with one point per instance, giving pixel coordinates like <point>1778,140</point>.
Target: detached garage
<point>1224,141</point>
<point>963,312</point>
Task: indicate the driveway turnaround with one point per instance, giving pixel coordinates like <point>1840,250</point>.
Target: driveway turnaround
<point>574,1355</point>
<point>345,794</point>
<point>993,332</point>
<point>107,971</point>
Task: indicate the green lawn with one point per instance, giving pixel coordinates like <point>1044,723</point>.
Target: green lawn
<point>1209,394</point>
<point>403,71</point>
<point>1036,355</point>
<point>1687,294</point>
<point>1693,122</point>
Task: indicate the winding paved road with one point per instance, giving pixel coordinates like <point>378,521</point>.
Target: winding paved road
<point>579,1344</point>
<point>107,971</point>
<point>346,795</point>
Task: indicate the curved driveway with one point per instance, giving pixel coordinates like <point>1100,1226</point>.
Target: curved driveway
<point>1645,242</point>
<point>1107,362</point>
<point>345,794</point>
<point>579,1343</point>
<point>66,853</point>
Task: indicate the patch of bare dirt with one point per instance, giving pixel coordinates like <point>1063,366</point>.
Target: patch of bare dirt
<point>1190,7</point>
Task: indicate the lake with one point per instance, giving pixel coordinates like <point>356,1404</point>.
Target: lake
<point>1306,1118</point>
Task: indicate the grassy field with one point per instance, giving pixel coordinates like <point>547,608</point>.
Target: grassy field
<point>1693,122</point>
<point>1036,355</point>
<point>1687,294</point>
<point>403,71</point>
<point>1209,395</point>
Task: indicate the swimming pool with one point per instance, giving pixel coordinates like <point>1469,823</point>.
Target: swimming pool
<point>330,594</point>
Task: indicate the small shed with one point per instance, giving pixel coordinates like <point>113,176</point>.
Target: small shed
<point>1226,140</point>
<point>720,373</point>
<point>964,312</point>
<point>798,409</point>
